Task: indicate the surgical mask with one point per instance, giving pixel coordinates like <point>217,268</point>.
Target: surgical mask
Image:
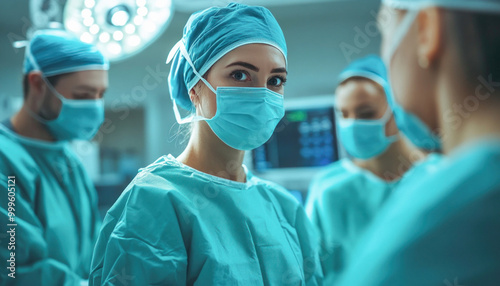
<point>78,118</point>
<point>246,116</point>
<point>365,139</point>
<point>410,124</point>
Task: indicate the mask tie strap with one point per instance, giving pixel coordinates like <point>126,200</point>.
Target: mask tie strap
<point>387,116</point>
<point>402,30</point>
<point>179,46</point>
<point>188,59</point>
<point>36,67</point>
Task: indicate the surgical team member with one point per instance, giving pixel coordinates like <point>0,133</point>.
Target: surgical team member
<point>443,59</point>
<point>202,218</point>
<point>345,196</point>
<point>55,202</point>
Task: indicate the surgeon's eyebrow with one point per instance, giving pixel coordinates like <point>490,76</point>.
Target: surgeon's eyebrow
<point>279,70</point>
<point>244,64</point>
<point>256,69</point>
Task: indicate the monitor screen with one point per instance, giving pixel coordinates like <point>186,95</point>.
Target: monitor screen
<point>305,137</point>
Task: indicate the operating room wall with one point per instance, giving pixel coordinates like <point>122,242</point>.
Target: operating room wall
<point>139,111</point>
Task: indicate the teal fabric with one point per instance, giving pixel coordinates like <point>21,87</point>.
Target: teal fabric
<point>56,212</point>
<point>419,171</point>
<point>445,229</point>
<point>58,52</point>
<point>342,201</point>
<point>174,225</point>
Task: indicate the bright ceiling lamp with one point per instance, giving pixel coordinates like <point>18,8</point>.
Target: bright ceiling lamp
<point>120,28</point>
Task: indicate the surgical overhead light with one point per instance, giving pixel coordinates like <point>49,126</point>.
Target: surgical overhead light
<point>120,28</point>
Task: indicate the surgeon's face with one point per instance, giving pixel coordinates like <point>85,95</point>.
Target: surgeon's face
<point>77,85</point>
<point>360,98</point>
<point>412,84</point>
<point>253,65</point>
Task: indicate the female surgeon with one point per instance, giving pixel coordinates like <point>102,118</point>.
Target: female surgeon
<point>202,218</point>
<point>445,72</point>
<point>345,196</point>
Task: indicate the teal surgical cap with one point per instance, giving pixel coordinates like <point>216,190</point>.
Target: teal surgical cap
<point>54,52</point>
<point>492,6</point>
<point>371,67</point>
<point>212,33</point>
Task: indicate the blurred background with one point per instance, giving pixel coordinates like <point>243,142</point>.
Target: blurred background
<point>323,36</point>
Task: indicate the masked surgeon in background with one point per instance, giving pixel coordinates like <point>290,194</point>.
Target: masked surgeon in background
<point>203,218</point>
<point>55,200</point>
<point>345,196</point>
<point>445,72</point>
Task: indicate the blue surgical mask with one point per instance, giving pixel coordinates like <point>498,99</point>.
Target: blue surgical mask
<point>365,139</point>
<point>78,119</point>
<point>246,116</point>
<point>410,124</point>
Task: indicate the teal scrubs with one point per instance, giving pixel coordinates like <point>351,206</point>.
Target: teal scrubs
<point>444,230</point>
<point>419,171</point>
<point>342,200</point>
<point>174,225</point>
<point>55,212</point>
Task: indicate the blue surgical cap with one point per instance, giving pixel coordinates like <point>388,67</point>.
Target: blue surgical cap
<point>54,52</point>
<point>211,34</point>
<point>492,6</point>
<point>371,67</point>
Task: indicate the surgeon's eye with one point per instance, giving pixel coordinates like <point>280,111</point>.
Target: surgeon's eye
<point>240,75</point>
<point>82,96</point>
<point>366,115</point>
<point>277,81</point>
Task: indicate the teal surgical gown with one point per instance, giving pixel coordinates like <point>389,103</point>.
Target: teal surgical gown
<point>421,169</point>
<point>55,212</point>
<point>444,230</point>
<point>342,200</point>
<point>174,225</point>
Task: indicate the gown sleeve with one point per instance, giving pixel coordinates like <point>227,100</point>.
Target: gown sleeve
<point>313,273</point>
<point>141,241</point>
<point>33,266</point>
<point>331,248</point>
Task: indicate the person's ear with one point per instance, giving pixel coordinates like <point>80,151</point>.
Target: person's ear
<point>194,96</point>
<point>430,39</point>
<point>36,91</point>
<point>36,83</point>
